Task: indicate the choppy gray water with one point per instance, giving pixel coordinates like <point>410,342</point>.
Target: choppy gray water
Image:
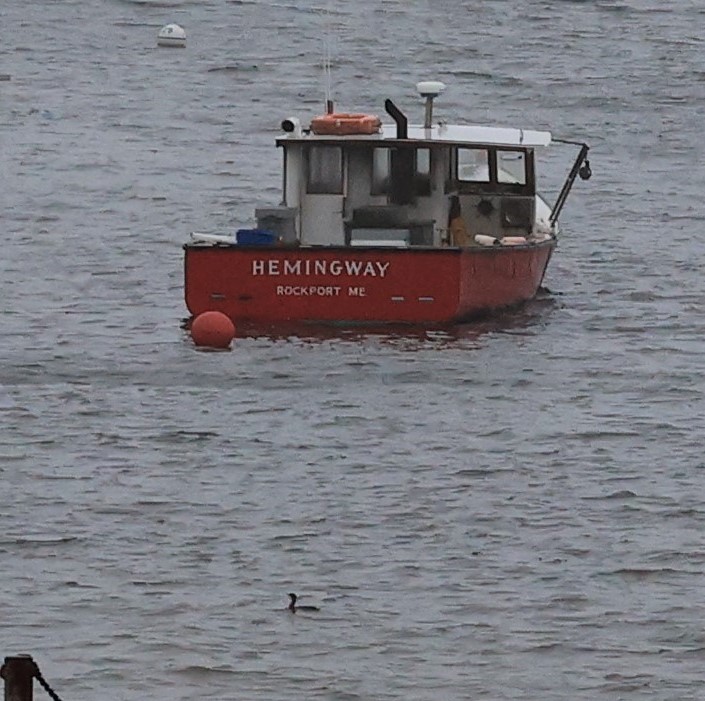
<point>511,511</point>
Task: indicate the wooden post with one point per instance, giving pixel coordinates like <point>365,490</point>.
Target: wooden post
<point>18,673</point>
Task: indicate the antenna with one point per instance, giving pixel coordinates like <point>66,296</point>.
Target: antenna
<point>430,89</point>
<point>327,61</point>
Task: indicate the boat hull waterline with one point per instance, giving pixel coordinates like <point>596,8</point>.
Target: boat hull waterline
<point>265,285</point>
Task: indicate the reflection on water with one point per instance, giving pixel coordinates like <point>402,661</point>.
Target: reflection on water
<point>529,318</point>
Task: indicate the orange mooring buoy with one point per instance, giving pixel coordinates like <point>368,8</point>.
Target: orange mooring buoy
<point>212,330</point>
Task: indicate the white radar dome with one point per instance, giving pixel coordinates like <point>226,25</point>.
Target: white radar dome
<point>430,88</point>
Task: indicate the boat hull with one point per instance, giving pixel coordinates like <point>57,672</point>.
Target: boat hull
<point>270,284</point>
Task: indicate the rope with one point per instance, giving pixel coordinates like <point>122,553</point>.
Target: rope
<point>38,676</point>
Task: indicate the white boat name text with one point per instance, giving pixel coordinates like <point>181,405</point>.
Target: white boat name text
<point>352,268</point>
<point>319,291</point>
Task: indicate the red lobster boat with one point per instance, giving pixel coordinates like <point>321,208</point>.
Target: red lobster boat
<point>387,223</point>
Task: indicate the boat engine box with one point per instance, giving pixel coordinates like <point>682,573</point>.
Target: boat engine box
<point>255,237</point>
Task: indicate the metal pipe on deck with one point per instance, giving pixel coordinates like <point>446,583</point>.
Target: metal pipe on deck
<point>580,167</point>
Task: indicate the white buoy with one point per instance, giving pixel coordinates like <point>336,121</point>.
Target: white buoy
<point>171,35</point>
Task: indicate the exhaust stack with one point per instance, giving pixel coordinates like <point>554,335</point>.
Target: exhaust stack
<point>399,117</point>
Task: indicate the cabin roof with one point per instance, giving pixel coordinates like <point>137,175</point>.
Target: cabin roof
<point>447,134</point>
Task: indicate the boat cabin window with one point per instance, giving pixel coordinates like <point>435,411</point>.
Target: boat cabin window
<point>382,171</point>
<point>473,165</point>
<point>494,169</point>
<point>325,170</point>
<point>423,171</point>
<point>511,167</point>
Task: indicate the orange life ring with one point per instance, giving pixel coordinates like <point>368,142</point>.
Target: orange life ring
<point>341,124</point>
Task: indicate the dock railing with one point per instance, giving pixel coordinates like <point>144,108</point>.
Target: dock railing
<point>19,673</point>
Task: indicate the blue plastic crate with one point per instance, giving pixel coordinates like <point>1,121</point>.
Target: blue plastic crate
<point>255,237</point>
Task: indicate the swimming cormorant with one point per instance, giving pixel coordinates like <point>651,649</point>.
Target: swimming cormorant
<point>294,608</point>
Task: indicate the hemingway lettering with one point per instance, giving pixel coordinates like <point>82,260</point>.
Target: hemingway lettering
<point>353,268</point>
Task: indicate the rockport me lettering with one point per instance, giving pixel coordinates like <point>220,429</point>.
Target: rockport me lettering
<point>309,267</point>
<point>319,291</point>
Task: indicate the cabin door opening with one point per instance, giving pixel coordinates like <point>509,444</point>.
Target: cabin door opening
<point>323,199</point>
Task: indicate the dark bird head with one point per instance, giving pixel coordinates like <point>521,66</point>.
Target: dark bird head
<point>292,603</point>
